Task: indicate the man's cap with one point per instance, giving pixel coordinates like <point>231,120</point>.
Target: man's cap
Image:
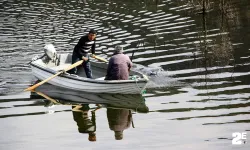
<point>92,31</point>
<point>118,49</point>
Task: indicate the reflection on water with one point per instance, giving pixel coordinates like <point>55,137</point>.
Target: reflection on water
<point>60,95</point>
<point>119,120</point>
<point>84,123</point>
<point>203,46</point>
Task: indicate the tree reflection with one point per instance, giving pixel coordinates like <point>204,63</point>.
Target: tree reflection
<point>217,50</point>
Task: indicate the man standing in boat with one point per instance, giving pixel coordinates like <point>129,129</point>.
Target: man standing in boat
<point>81,52</point>
<point>119,65</point>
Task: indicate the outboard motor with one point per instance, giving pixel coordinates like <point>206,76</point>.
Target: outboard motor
<point>50,55</point>
<point>50,52</point>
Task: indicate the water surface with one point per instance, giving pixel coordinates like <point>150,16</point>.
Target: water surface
<point>197,102</point>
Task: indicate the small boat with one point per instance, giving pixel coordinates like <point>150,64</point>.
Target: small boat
<point>59,95</point>
<point>52,62</point>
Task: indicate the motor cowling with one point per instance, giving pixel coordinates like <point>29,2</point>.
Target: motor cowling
<point>50,52</point>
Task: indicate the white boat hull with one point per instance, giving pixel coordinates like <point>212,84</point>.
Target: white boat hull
<point>88,85</point>
<point>66,96</point>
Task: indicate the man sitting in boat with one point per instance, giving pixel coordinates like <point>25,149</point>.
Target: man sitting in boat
<point>81,52</point>
<point>119,65</point>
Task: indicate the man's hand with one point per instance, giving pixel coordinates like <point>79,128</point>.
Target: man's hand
<point>62,72</point>
<point>93,55</point>
<point>84,58</point>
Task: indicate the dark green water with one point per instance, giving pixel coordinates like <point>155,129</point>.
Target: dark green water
<point>197,102</point>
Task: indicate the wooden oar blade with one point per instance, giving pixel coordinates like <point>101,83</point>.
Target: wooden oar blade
<point>42,82</point>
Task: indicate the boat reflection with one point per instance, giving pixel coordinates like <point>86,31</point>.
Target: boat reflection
<point>119,108</point>
<point>60,95</point>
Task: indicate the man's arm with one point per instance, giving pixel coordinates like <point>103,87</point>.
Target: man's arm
<point>129,64</point>
<point>93,49</point>
<point>79,45</point>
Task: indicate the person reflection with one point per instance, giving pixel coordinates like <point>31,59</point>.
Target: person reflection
<point>119,120</point>
<point>85,125</point>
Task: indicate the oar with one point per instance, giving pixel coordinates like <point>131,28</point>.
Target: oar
<point>50,98</point>
<point>60,72</point>
<point>45,96</point>
<point>99,58</point>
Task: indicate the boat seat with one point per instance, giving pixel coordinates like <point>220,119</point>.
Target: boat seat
<point>101,78</point>
<point>61,67</point>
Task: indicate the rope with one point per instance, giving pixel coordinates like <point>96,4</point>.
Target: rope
<point>143,101</point>
<point>134,77</point>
